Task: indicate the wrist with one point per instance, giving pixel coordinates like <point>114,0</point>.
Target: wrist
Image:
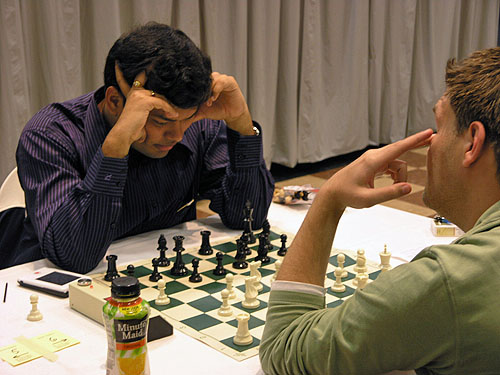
<point>243,124</point>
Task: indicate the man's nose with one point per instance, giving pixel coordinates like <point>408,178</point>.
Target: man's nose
<point>176,132</point>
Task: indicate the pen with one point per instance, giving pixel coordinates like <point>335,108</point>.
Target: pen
<point>5,292</point>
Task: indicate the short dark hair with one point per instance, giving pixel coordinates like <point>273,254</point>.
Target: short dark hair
<point>473,90</point>
<point>176,68</point>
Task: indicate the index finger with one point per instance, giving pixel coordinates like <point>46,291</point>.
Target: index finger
<point>394,150</point>
<point>122,83</point>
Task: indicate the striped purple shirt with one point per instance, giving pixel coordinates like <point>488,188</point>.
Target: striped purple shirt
<point>79,201</point>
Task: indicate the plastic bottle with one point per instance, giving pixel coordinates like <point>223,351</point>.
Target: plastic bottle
<point>126,318</point>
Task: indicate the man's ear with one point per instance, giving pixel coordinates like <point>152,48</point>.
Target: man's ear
<point>114,100</point>
<point>475,140</point>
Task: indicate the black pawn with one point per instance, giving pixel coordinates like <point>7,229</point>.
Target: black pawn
<point>219,269</point>
<point>266,227</point>
<point>283,249</point>
<point>262,250</point>
<point>131,270</point>
<point>162,248</point>
<point>205,248</point>
<point>112,272</point>
<point>247,222</point>
<point>155,276</point>
<point>240,258</point>
<point>244,239</point>
<point>179,268</point>
<point>195,276</point>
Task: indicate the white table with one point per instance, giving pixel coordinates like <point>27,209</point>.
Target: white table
<point>405,235</point>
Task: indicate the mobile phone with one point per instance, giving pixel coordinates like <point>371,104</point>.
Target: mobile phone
<point>51,280</point>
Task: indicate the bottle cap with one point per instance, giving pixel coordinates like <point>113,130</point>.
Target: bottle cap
<point>125,287</point>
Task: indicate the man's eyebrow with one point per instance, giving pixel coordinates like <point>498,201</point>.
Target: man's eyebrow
<point>173,119</point>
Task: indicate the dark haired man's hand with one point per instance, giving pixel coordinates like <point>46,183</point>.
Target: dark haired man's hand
<point>128,119</point>
<point>227,103</point>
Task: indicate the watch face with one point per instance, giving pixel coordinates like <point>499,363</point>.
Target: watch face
<point>256,130</point>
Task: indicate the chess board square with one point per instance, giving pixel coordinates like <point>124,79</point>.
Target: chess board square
<point>205,304</point>
<point>186,258</point>
<point>263,305</point>
<point>350,276</point>
<point>225,247</point>
<point>210,274</point>
<point>212,288</point>
<point>173,303</point>
<point>374,275</point>
<point>168,274</point>
<point>252,323</point>
<point>182,312</point>
<point>220,331</point>
<point>265,288</point>
<point>261,314</point>
<point>189,295</point>
<point>348,260</point>
<point>139,271</point>
<point>201,321</point>
<point>227,259</point>
<point>229,342</point>
<point>173,287</point>
<point>335,303</point>
<point>214,314</point>
<point>348,291</point>
<point>257,331</point>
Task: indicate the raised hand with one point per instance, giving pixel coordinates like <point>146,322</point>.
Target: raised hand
<point>353,185</point>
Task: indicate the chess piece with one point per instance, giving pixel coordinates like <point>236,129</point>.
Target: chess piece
<point>112,272</point>
<point>385,260</point>
<point>240,257</point>
<point>155,276</point>
<point>195,276</point>
<point>162,298</point>
<point>254,271</point>
<point>247,222</point>
<point>35,314</point>
<point>361,280</point>
<point>251,293</point>
<point>243,336</point>
<point>283,249</point>
<point>163,261</point>
<point>205,248</point>
<point>360,262</point>
<point>219,269</point>
<point>263,249</point>
<point>337,286</point>
<point>277,266</point>
<point>225,309</point>
<point>229,282</point>
<point>179,268</point>
<point>340,262</point>
<point>131,270</point>
<point>245,242</point>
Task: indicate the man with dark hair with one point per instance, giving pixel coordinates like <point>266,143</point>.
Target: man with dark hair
<point>135,155</point>
<point>437,314</point>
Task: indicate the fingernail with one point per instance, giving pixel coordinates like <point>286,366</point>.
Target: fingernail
<point>406,189</point>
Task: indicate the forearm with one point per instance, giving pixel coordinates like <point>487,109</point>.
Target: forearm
<point>309,253</point>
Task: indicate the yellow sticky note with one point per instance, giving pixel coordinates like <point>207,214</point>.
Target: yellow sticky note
<point>55,340</point>
<point>17,354</point>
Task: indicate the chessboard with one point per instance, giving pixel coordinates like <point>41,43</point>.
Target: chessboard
<point>193,307</point>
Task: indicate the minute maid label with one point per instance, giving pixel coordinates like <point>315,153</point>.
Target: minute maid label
<point>130,330</point>
<point>130,310</point>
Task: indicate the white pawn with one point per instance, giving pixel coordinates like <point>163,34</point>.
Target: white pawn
<point>225,309</point>
<point>243,336</point>
<point>341,261</point>
<point>162,298</point>
<point>362,280</point>
<point>277,266</point>
<point>35,314</point>
<point>338,286</point>
<point>251,293</point>
<point>229,282</point>
<point>360,262</point>
<point>385,260</point>
<point>254,271</point>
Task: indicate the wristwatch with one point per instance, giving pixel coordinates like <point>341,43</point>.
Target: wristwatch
<point>256,130</point>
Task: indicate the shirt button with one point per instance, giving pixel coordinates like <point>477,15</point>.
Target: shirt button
<point>113,226</point>
<point>240,156</point>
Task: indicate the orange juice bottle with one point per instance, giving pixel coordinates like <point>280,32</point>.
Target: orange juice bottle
<point>126,318</point>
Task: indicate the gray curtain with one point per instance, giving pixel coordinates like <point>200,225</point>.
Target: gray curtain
<point>323,77</point>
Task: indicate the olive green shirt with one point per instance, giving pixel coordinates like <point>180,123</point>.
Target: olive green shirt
<point>439,314</point>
